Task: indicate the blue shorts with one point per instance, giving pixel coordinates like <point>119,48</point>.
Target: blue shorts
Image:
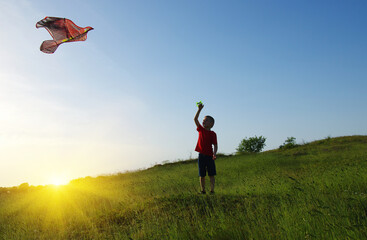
<point>206,163</point>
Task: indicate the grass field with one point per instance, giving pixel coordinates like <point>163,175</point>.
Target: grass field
<point>314,191</point>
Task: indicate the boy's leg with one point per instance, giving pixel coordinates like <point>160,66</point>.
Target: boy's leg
<point>211,172</point>
<point>202,171</point>
<point>212,183</point>
<point>202,184</point>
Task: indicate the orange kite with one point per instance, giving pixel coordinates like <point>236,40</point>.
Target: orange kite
<point>62,30</point>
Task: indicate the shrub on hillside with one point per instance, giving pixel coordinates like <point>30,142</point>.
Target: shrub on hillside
<point>223,155</point>
<point>289,143</point>
<point>251,145</point>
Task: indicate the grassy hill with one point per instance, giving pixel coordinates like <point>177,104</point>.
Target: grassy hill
<point>314,191</point>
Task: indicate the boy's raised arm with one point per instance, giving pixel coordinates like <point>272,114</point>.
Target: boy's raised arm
<point>197,115</point>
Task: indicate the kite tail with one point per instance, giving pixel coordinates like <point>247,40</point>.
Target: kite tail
<point>49,46</point>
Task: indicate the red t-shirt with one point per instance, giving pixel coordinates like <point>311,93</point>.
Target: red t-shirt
<point>206,139</point>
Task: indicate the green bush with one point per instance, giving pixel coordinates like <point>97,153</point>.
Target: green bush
<point>251,145</point>
<point>289,143</point>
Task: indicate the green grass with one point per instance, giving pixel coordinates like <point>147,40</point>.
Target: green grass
<point>314,191</point>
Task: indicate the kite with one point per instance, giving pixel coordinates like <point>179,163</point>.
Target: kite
<point>62,30</point>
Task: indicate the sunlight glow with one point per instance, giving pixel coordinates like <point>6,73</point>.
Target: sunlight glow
<point>59,180</point>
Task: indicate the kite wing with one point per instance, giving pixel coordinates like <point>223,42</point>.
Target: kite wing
<point>62,30</point>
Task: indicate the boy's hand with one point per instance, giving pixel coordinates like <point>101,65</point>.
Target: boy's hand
<point>200,106</point>
<point>215,151</point>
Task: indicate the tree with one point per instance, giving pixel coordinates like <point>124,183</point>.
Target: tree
<point>289,143</point>
<point>251,145</point>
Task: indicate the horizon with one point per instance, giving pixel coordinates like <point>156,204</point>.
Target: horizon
<point>60,182</point>
<point>125,98</point>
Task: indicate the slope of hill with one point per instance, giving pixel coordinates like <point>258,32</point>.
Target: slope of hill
<point>314,191</point>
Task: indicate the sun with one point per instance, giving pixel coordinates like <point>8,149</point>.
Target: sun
<point>58,180</point>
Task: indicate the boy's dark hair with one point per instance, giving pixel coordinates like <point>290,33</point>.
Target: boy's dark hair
<point>211,118</point>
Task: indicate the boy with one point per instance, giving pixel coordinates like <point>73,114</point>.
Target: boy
<point>207,138</point>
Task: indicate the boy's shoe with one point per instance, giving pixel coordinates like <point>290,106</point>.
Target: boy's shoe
<point>211,192</point>
<point>202,192</point>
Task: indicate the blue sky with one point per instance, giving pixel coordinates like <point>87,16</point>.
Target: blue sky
<point>125,98</point>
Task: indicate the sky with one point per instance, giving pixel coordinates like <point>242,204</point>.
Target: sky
<point>125,98</point>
